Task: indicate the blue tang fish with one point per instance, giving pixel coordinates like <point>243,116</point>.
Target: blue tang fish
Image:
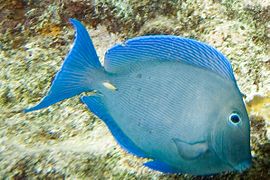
<point>171,99</point>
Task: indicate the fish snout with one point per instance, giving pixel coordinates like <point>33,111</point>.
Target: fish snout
<point>243,165</point>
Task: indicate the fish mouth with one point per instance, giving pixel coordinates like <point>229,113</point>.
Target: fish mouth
<point>243,166</point>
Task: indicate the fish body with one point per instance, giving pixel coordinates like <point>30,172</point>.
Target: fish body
<point>173,100</point>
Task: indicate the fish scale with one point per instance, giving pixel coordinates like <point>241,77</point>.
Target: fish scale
<point>155,94</point>
<point>171,99</point>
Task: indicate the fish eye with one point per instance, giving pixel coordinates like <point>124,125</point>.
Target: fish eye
<point>234,118</point>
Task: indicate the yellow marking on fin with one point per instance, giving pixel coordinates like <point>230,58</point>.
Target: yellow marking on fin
<point>109,86</point>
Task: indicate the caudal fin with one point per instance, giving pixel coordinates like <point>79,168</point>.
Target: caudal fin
<point>73,78</point>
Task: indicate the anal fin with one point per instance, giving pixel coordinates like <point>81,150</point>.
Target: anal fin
<point>161,166</point>
<point>96,105</point>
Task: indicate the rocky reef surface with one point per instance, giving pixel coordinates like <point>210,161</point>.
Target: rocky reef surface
<point>66,140</point>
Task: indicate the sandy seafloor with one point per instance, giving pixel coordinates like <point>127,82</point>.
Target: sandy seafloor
<point>66,140</point>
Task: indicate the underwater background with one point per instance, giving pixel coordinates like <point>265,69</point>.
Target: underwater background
<point>66,140</point>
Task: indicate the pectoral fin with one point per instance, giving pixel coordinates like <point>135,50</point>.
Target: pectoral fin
<point>190,151</point>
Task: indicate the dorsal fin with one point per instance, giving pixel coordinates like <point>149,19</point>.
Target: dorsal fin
<point>167,48</point>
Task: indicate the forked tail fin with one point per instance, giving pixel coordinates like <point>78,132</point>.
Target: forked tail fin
<point>74,77</point>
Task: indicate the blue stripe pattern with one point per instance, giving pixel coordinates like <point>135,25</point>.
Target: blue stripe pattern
<point>72,78</point>
<point>169,48</point>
